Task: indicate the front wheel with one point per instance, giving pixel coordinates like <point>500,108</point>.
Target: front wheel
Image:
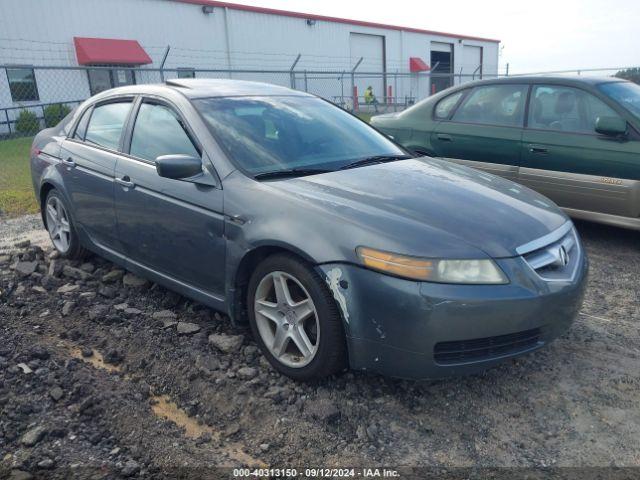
<point>295,320</point>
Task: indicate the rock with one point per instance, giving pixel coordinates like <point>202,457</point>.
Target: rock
<point>98,311</point>
<point>132,311</point>
<point>114,357</point>
<point>164,315</point>
<point>168,324</point>
<point>39,289</point>
<point>88,295</point>
<point>88,267</point>
<point>26,268</point>
<point>4,259</point>
<point>46,464</point>
<point>68,288</point>
<point>108,292</point>
<point>247,373</point>
<point>372,432</point>
<point>86,352</point>
<point>25,368</point>
<point>75,273</point>
<point>33,436</point>
<point>22,244</point>
<point>264,447</point>
<point>131,280</point>
<point>55,268</point>
<point>186,328</point>
<point>276,393</point>
<point>226,343</point>
<point>20,475</point>
<point>39,353</point>
<point>120,307</point>
<point>56,393</point>
<point>68,307</point>
<point>131,467</point>
<point>113,276</point>
<point>323,410</point>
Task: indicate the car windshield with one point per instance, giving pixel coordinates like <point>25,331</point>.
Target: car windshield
<point>626,94</point>
<point>268,134</point>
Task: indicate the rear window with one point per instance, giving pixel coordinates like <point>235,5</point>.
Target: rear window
<point>106,124</point>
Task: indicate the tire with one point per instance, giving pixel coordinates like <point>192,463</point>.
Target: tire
<point>61,227</point>
<point>323,327</point>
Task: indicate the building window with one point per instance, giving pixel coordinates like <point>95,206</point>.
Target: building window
<point>22,84</point>
<point>105,78</point>
<point>186,73</point>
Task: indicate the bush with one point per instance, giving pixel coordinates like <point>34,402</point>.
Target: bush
<point>27,123</point>
<point>54,113</point>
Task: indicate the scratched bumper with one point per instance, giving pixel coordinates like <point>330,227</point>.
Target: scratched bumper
<point>393,325</point>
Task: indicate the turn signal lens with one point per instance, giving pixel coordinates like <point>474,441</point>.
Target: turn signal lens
<point>478,272</point>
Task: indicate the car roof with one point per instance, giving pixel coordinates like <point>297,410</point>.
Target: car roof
<point>552,79</point>
<point>206,88</point>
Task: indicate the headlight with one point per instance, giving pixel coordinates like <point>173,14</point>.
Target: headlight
<point>483,271</point>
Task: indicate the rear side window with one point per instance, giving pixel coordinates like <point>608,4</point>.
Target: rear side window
<point>159,131</point>
<point>106,124</point>
<point>494,105</point>
<point>446,105</point>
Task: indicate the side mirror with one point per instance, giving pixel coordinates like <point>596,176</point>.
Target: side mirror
<point>612,126</point>
<point>178,166</point>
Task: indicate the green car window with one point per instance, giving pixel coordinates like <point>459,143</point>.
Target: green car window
<point>566,109</point>
<point>626,94</point>
<point>494,105</point>
<point>445,106</point>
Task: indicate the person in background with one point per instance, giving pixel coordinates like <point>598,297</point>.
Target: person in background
<point>370,98</point>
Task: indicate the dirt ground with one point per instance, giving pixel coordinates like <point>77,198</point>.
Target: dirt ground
<point>103,375</point>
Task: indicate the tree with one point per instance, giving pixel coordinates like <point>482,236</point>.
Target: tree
<point>632,74</point>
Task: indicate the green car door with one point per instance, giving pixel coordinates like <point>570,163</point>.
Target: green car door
<point>484,130</point>
<point>567,160</point>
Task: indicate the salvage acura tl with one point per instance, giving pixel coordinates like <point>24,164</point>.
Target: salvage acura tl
<point>337,246</point>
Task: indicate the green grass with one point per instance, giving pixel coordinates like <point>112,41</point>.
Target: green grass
<point>365,116</point>
<point>16,191</point>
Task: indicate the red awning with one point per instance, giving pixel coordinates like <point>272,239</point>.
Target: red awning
<point>416,64</point>
<point>109,51</point>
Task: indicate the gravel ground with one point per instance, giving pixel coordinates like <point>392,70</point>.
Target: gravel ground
<point>105,375</point>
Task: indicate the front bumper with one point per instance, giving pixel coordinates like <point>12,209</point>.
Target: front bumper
<point>400,328</point>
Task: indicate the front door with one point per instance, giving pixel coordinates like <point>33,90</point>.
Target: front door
<point>173,227</point>
<point>565,159</point>
<point>89,160</point>
<point>485,131</point>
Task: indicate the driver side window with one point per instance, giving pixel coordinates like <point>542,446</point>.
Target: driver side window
<point>566,109</point>
<point>159,131</point>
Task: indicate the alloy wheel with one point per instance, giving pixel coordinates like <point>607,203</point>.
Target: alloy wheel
<point>287,319</point>
<point>58,224</point>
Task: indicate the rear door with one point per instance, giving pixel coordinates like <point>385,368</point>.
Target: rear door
<point>173,227</point>
<point>89,160</point>
<point>485,130</point>
<point>565,159</point>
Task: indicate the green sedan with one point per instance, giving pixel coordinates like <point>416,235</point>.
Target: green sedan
<point>574,139</point>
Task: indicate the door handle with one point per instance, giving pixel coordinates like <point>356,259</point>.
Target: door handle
<point>538,149</point>
<point>68,162</point>
<point>444,137</point>
<point>125,182</point>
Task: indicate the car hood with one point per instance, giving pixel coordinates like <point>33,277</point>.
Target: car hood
<point>451,204</point>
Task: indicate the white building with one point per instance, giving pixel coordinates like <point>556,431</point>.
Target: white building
<point>210,35</point>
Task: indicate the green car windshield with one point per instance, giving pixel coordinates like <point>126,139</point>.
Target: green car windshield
<point>276,133</point>
<point>626,94</point>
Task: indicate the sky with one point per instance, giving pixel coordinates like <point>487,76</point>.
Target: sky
<point>536,36</point>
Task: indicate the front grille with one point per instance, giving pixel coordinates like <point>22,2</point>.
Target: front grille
<point>558,259</point>
<point>481,349</point>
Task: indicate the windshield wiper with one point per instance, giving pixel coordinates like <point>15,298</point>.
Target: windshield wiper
<point>290,172</point>
<point>374,160</point>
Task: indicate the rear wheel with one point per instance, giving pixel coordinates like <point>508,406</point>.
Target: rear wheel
<point>295,320</point>
<point>61,229</point>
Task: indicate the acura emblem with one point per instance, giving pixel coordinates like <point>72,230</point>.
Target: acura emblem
<point>563,257</point>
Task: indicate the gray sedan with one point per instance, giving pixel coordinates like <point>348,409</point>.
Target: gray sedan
<point>337,246</point>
